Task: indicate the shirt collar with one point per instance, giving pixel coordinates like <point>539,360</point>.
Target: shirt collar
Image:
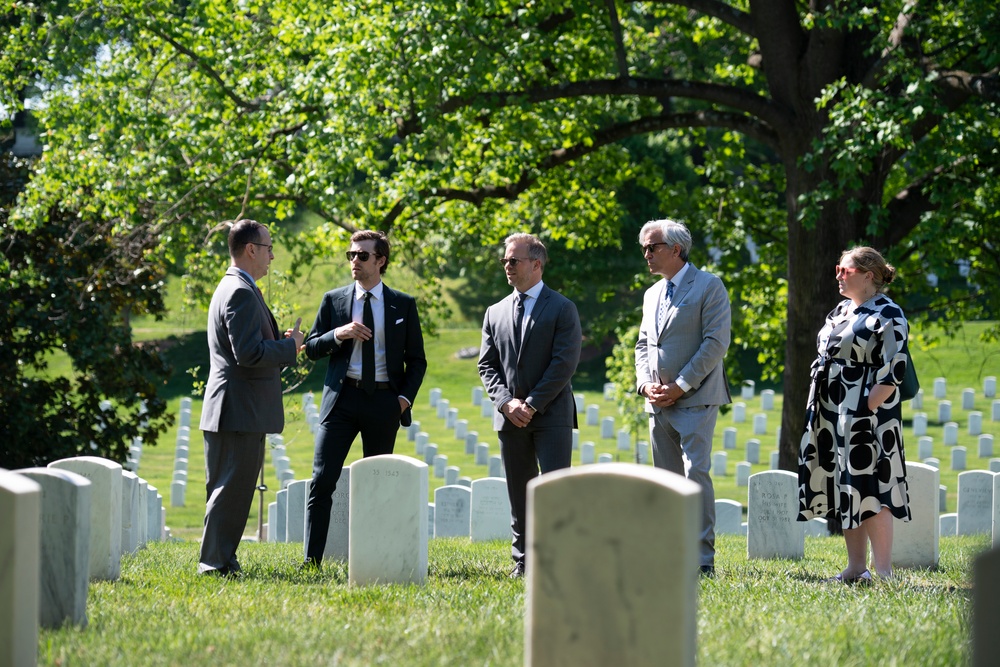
<point>676,280</point>
<point>534,290</point>
<point>359,291</point>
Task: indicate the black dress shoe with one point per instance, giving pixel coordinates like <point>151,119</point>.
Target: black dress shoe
<point>707,571</point>
<point>517,572</point>
<point>311,564</point>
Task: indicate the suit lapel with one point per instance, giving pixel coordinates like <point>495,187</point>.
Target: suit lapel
<point>260,299</point>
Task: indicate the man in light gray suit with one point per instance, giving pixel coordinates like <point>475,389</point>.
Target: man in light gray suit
<point>243,394</point>
<point>530,349</point>
<point>683,339</point>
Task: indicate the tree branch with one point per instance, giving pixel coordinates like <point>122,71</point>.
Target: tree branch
<point>616,31</point>
<point>248,105</point>
<point>743,100</point>
<point>740,20</point>
<point>909,204</point>
<point>529,175</point>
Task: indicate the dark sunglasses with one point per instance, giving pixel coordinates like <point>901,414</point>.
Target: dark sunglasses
<point>514,260</point>
<point>362,255</point>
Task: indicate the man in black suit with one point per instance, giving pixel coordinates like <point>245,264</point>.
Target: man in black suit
<point>530,349</point>
<point>372,335</point>
<point>243,393</point>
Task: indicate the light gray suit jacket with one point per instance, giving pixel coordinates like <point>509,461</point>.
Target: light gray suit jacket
<point>541,370</point>
<point>243,392</point>
<point>692,343</point>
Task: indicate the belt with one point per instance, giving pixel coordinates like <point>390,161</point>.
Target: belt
<point>354,382</point>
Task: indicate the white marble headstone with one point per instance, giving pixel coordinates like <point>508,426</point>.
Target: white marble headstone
<point>773,530</point>
<point>65,555</point>
<point>587,453</point>
<point>452,511</point>
<point>728,517</point>
<point>279,529</point>
<point>637,552</point>
<point>20,547</point>
<point>131,540</point>
<point>729,438</point>
<point>490,514</point>
<point>975,502</point>
<point>388,520</point>
<point>338,535</point>
<point>996,511</point>
<point>593,415</point>
<point>495,467</point>
<point>105,512</point>
<point>295,509</point>
<point>916,543</point>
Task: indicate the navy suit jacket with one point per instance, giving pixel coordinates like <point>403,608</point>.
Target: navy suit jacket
<point>404,345</point>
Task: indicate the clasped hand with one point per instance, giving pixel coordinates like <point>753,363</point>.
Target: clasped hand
<point>519,413</point>
<point>662,395</point>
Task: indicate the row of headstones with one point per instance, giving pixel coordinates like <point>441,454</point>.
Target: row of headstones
<point>772,508</point>
<point>479,509</point>
<point>60,527</point>
<point>968,394</point>
<point>479,398</point>
<point>178,483</point>
<point>974,422</point>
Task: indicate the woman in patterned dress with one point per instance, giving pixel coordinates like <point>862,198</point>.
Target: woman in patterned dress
<point>851,463</point>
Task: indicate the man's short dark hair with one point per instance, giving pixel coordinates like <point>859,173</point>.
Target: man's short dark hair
<point>243,233</point>
<point>381,243</point>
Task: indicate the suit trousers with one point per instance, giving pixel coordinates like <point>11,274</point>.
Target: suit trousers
<point>524,451</point>
<point>232,465</point>
<point>376,418</point>
<point>679,432</point>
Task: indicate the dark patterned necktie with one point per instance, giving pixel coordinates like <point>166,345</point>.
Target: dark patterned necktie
<point>661,312</point>
<point>368,348</point>
<point>518,317</point>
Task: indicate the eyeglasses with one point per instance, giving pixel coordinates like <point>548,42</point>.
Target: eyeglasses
<point>270,248</point>
<point>845,270</point>
<point>652,247</point>
<point>512,261</point>
<point>361,255</point>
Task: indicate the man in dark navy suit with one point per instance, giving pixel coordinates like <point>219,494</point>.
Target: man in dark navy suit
<point>372,336</point>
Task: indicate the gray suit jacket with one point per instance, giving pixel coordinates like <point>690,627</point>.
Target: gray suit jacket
<point>541,370</point>
<point>243,392</point>
<point>404,345</point>
<point>692,343</point>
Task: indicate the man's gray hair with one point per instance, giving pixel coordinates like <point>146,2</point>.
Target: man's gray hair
<point>536,249</point>
<point>672,232</point>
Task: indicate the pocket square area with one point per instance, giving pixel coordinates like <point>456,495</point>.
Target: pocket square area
<point>399,320</point>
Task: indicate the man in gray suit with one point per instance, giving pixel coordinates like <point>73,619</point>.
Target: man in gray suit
<point>682,342</point>
<point>372,335</point>
<point>243,395</point>
<point>530,349</point>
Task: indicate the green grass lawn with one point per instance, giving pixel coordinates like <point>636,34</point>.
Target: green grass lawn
<point>755,612</point>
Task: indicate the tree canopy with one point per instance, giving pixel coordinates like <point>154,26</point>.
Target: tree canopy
<point>810,126</point>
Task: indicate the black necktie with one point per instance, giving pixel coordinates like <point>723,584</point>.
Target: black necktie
<point>518,317</point>
<point>368,349</point>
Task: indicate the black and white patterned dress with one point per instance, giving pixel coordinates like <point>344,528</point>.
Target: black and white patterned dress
<point>851,461</point>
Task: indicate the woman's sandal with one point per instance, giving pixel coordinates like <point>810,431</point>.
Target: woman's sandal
<point>863,578</point>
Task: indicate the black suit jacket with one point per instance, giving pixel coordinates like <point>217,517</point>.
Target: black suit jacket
<point>404,345</point>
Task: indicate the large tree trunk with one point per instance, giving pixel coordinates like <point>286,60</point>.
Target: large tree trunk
<point>812,293</point>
